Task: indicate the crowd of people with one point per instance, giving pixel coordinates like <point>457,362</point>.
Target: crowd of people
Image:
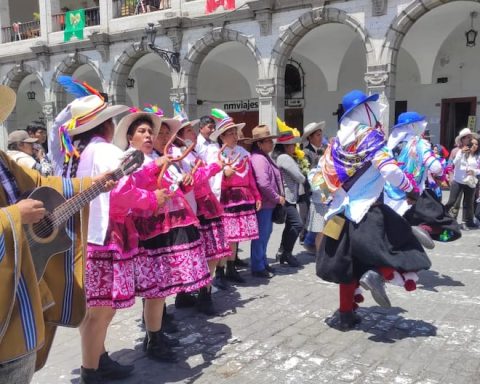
<point>173,226</point>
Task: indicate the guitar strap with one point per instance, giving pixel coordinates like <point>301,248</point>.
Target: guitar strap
<point>8,183</point>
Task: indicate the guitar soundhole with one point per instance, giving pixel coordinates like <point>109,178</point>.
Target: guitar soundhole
<point>43,228</point>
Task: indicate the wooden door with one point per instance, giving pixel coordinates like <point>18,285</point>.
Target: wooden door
<point>250,118</point>
<point>454,118</point>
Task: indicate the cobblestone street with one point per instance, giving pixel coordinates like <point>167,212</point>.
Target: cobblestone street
<point>283,331</point>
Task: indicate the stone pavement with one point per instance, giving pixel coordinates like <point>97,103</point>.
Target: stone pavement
<point>282,331</point>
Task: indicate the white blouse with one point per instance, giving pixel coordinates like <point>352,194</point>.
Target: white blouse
<point>98,157</point>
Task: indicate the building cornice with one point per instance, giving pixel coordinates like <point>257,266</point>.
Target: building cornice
<point>259,10</point>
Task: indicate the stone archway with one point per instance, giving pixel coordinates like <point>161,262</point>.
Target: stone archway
<point>122,68</point>
<point>292,35</point>
<point>198,52</point>
<point>66,68</point>
<point>402,24</point>
<point>13,79</point>
<point>422,46</point>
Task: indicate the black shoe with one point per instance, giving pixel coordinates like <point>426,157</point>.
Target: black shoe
<point>310,248</point>
<point>232,274</point>
<point>167,339</point>
<point>219,281</point>
<point>290,260</point>
<point>241,263</point>
<point>348,320</point>
<point>90,376</point>
<point>185,300</point>
<point>112,369</point>
<point>263,274</point>
<point>373,282</point>
<point>469,226</point>
<point>423,237</point>
<point>158,350</point>
<point>205,302</point>
<point>269,268</point>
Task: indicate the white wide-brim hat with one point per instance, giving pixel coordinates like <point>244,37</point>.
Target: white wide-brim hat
<point>464,132</point>
<point>89,112</point>
<point>120,138</point>
<point>193,123</point>
<point>7,102</point>
<point>311,128</point>
<point>216,134</point>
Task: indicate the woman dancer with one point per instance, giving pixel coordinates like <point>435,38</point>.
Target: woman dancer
<point>209,211</point>
<point>170,260</point>
<point>239,194</point>
<point>109,248</point>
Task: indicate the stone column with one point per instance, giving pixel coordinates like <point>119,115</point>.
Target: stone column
<point>381,81</point>
<point>179,95</point>
<point>48,110</point>
<point>4,15</point>
<point>45,19</point>
<point>106,13</point>
<point>267,103</point>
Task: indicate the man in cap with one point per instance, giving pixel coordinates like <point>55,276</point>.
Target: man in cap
<point>21,148</point>
<point>313,146</point>
<point>29,308</point>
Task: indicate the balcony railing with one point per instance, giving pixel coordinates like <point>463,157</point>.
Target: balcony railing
<point>122,8</point>
<point>21,31</point>
<point>92,17</point>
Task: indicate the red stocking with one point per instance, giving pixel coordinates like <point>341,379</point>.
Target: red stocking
<point>347,292</point>
<point>386,272</point>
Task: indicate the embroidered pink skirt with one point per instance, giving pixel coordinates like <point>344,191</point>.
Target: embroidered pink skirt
<point>214,241</point>
<point>239,218</point>
<point>109,269</point>
<point>171,263</point>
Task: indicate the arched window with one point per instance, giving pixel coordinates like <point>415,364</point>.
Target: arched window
<point>294,80</point>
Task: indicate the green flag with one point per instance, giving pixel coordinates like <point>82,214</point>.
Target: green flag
<point>74,24</point>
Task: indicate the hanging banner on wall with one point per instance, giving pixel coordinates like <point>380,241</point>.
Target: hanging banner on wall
<point>74,25</point>
<point>212,5</point>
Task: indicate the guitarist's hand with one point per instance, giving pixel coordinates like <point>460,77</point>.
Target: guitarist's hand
<point>105,178</point>
<point>162,196</point>
<point>31,211</point>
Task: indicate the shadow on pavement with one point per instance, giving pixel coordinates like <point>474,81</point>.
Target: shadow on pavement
<point>429,280</point>
<point>386,325</point>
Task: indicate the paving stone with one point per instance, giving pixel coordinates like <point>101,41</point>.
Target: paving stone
<point>284,332</point>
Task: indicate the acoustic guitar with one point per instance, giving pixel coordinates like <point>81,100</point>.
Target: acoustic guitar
<point>49,236</point>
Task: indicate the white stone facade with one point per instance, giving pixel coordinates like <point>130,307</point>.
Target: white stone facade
<point>398,48</point>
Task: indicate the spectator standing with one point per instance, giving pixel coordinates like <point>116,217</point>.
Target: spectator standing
<point>21,150</point>
<point>293,179</point>
<point>314,147</point>
<point>270,185</point>
<point>464,177</point>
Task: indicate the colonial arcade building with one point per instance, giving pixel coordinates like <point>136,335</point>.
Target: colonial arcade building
<point>290,58</point>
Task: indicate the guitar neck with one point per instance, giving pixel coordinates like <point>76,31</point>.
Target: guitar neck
<point>66,210</point>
